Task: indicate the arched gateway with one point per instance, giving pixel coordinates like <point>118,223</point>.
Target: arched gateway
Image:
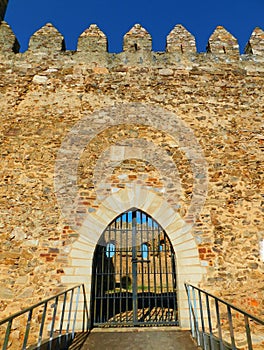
<point>134,274</point>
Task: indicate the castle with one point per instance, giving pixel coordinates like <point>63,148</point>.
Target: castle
<point>87,135</point>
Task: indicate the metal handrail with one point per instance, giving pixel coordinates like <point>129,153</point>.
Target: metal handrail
<point>67,331</point>
<point>201,320</point>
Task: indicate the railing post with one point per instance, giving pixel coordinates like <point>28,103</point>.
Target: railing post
<point>63,312</point>
<point>190,309</point>
<point>76,310</point>
<point>202,319</point>
<point>249,340</point>
<point>85,311</point>
<point>53,318</point>
<point>8,329</point>
<point>196,321</point>
<point>219,326</point>
<point>69,313</point>
<point>27,329</point>
<point>42,325</point>
<point>231,329</point>
<point>209,321</point>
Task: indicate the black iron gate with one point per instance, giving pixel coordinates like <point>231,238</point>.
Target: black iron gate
<point>134,276</point>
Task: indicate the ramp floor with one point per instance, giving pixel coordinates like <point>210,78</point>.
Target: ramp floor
<point>156,338</point>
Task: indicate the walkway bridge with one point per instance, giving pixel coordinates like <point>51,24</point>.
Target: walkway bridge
<point>62,322</point>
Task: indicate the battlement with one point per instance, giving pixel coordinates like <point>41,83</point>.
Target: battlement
<point>137,42</point>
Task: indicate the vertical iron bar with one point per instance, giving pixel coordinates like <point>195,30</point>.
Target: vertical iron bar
<point>53,318</point>
<point>209,322</point>
<point>196,320</point>
<point>96,290</point>
<point>120,270</point>
<point>202,318</point>
<point>69,313</point>
<point>127,270</point>
<point>109,275</point>
<point>27,329</point>
<point>188,287</point>
<point>134,266</point>
<point>42,325</point>
<point>249,340</point>
<point>63,312</point>
<point>76,310</point>
<point>167,276</point>
<point>231,329</point>
<point>154,270</point>
<point>102,272</point>
<point>160,272</point>
<point>173,281</point>
<point>219,324</point>
<point>7,333</point>
<point>85,311</point>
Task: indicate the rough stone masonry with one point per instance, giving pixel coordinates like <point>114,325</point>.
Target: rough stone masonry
<point>216,97</point>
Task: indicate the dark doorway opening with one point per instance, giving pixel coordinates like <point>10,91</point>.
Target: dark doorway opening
<point>134,274</point>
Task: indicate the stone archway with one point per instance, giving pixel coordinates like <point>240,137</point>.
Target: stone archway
<point>90,222</point>
<point>179,233</point>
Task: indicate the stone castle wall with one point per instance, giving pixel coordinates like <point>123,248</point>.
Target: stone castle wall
<point>163,131</point>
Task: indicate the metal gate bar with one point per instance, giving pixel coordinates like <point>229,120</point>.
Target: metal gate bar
<point>134,274</point>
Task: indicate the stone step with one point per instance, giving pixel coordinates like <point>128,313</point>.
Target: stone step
<point>169,338</point>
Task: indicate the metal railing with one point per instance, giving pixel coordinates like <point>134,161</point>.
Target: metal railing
<point>52,319</point>
<point>219,325</point>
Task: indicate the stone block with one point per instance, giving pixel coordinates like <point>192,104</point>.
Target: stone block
<point>6,293</point>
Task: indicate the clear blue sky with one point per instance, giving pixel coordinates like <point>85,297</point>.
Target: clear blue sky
<point>116,17</point>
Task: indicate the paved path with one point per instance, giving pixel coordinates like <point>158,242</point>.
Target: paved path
<point>158,338</point>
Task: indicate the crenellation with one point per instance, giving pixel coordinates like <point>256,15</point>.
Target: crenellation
<point>222,43</point>
<point>8,40</point>
<point>137,48</point>
<point>255,44</point>
<point>137,39</point>
<point>92,40</point>
<point>181,41</point>
<point>47,39</point>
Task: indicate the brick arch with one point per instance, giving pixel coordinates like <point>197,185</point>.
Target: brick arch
<point>179,232</point>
